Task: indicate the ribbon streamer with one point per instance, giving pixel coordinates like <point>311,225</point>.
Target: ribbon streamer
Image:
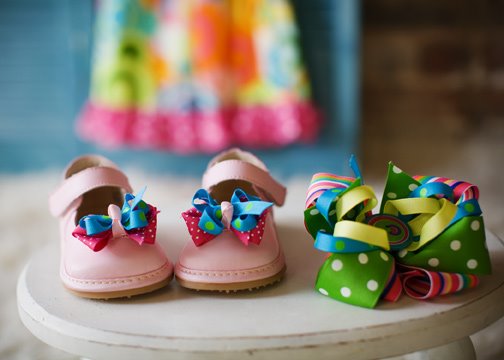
<point>422,284</point>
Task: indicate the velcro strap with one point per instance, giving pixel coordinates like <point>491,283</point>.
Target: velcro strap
<point>241,170</point>
<point>83,181</point>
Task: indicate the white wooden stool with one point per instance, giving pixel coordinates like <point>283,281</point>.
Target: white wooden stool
<point>287,321</point>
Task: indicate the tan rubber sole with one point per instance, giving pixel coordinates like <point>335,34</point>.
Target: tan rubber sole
<point>234,287</point>
<point>122,293</point>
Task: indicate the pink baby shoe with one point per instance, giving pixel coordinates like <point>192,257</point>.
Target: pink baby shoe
<point>234,243</point>
<point>108,235</point>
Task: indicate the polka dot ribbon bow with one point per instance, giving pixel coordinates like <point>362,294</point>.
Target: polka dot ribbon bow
<point>427,240</point>
<point>244,216</point>
<point>136,221</point>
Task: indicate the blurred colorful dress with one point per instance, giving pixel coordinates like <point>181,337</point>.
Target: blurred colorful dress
<point>197,76</point>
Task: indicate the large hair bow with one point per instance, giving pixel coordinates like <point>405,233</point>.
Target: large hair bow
<point>427,240</point>
<point>136,220</point>
<point>244,215</point>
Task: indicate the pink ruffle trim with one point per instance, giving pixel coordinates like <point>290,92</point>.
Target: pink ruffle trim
<point>256,126</point>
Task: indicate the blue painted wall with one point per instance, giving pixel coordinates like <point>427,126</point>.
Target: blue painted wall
<point>44,78</point>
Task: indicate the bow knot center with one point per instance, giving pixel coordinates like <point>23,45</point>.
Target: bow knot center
<point>115,214</point>
<point>227,213</point>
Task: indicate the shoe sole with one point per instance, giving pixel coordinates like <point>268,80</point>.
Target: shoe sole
<point>122,293</point>
<point>234,287</point>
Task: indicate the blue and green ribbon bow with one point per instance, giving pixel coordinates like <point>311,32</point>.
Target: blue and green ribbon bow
<point>134,214</point>
<point>245,216</point>
<point>246,209</point>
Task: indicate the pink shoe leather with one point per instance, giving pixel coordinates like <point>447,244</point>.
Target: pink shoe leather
<point>230,259</point>
<point>113,262</point>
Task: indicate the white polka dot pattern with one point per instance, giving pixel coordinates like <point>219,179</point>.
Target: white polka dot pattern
<point>346,292</point>
<point>384,256</point>
<point>323,291</point>
<point>412,187</point>
<point>372,285</point>
<point>472,264</point>
<point>434,262</point>
<point>475,225</point>
<point>337,265</point>
<point>396,169</point>
<point>392,195</point>
<point>363,258</point>
<point>455,245</point>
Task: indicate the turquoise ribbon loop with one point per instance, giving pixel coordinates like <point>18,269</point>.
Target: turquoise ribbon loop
<point>95,224</point>
<point>211,214</point>
<point>354,165</point>
<point>325,203</point>
<point>332,244</point>
<point>434,189</point>
<point>466,208</point>
<point>133,216</point>
<point>210,222</point>
<point>246,210</point>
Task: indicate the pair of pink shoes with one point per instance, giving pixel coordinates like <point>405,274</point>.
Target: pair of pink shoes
<point>108,235</point>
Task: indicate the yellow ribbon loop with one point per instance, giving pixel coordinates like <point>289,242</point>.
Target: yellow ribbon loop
<point>434,215</point>
<point>354,197</point>
<point>436,224</point>
<point>412,206</point>
<point>418,223</point>
<point>362,232</point>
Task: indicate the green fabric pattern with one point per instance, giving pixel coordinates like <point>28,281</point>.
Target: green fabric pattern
<point>461,248</point>
<point>357,279</point>
<point>398,185</point>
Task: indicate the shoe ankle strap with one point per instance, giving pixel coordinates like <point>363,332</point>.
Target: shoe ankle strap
<point>241,170</point>
<point>83,181</point>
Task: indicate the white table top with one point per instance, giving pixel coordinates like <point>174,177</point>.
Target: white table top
<point>287,321</point>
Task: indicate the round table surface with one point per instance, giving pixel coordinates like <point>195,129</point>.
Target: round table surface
<point>289,320</point>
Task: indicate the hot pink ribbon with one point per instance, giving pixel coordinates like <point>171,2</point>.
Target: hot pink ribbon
<point>200,237</point>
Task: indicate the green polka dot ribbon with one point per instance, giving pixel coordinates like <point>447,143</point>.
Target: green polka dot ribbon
<point>446,222</point>
<point>427,240</point>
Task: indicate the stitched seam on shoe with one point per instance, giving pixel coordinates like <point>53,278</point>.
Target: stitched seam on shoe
<point>231,273</point>
<point>119,281</point>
